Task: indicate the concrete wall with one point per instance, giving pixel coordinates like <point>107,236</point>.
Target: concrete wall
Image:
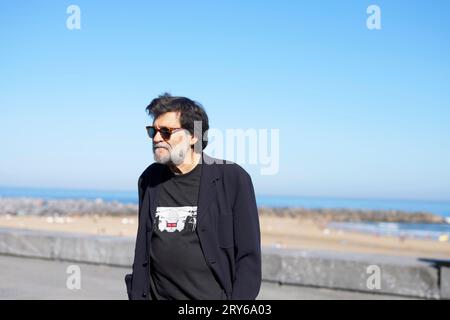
<point>348,271</point>
<point>397,275</point>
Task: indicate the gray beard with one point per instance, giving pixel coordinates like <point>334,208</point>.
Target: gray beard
<point>176,155</point>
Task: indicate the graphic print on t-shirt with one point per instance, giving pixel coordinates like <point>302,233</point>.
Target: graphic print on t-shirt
<point>173,219</point>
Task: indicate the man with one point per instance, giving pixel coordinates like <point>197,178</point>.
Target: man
<point>198,234</point>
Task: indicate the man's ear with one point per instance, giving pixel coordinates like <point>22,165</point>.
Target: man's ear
<point>193,141</point>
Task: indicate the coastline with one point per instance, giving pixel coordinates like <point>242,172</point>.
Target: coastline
<point>280,227</point>
<point>24,206</point>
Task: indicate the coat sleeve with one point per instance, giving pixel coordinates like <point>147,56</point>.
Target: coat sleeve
<point>247,239</point>
<point>129,277</point>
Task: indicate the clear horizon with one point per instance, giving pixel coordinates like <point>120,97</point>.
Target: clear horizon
<point>257,194</point>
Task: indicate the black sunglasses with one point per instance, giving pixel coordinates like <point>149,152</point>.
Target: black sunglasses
<point>164,131</point>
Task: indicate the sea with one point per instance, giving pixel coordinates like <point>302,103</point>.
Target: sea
<point>416,230</point>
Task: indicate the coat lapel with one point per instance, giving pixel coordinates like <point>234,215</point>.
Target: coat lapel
<point>207,190</point>
<point>152,200</point>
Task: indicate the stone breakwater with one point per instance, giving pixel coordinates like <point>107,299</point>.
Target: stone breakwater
<point>75,207</point>
<point>67,207</point>
<point>354,215</point>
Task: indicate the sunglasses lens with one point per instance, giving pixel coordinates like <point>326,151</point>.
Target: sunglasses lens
<point>165,133</point>
<point>151,132</point>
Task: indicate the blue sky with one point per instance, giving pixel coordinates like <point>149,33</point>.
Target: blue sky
<point>361,113</point>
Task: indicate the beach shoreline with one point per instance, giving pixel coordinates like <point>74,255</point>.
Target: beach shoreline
<point>24,206</point>
<point>276,232</point>
<point>310,229</point>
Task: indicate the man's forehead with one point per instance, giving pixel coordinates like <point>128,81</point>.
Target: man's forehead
<point>170,119</point>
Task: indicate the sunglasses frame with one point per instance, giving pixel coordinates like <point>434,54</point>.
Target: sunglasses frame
<point>164,135</point>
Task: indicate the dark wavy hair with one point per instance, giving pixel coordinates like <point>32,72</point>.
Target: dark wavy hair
<point>189,110</point>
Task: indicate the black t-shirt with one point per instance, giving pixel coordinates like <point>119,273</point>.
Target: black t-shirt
<point>178,269</point>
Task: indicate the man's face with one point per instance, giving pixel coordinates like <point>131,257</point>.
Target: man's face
<point>174,149</point>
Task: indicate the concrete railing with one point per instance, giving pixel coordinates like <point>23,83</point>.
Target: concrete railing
<point>413,277</point>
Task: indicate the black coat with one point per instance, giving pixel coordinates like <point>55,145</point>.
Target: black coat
<point>227,227</point>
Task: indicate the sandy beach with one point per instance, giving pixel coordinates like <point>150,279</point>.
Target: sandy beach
<point>281,232</point>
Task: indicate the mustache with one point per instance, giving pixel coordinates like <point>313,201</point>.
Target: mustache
<point>161,145</point>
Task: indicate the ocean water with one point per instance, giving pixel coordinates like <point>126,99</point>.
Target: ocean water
<point>441,208</point>
<point>48,193</point>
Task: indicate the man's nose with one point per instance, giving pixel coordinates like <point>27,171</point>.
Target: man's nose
<point>157,138</point>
